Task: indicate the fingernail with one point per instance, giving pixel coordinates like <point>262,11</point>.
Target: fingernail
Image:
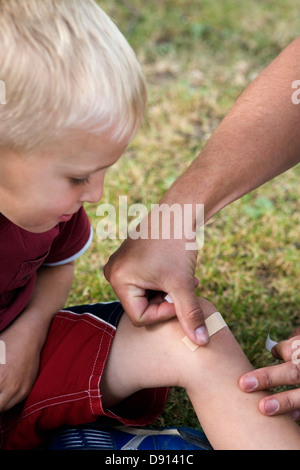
<point>295,415</point>
<point>250,383</point>
<point>271,406</point>
<point>201,335</point>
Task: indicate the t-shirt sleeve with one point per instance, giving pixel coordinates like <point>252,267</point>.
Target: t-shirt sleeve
<point>73,238</point>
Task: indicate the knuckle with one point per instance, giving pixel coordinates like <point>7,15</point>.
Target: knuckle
<point>286,350</point>
<point>193,315</point>
<point>107,271</point>
<point>135,319</point>
<point>294,374</point>
<point>267,379</point>
<point>138,322</point>
<point>110,268</point>
<point>110,276</point>
<point>115,275</point>
<point>287,402</point>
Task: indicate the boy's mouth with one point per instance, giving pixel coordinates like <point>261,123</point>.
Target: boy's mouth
<point>65,217</point>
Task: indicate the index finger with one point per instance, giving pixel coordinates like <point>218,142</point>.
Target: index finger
<point>286,373</point>
<point>143,312</point>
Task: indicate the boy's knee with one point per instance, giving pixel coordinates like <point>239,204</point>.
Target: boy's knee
<point>174,338</point>
<point>171,331</point>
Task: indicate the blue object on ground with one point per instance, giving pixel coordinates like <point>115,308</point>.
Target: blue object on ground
<point>129,438</point>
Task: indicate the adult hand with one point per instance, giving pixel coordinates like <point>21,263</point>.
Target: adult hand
<point>286,373</point>
<point>143,271</point>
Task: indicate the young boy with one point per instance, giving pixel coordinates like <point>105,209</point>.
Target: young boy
<point>75,97</point>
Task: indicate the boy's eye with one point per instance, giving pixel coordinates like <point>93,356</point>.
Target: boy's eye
<point>80,181</point>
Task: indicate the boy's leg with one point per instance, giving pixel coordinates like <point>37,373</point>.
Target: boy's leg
<point>155,356</point>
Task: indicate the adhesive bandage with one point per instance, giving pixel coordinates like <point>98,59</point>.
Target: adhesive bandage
<point>213,323</point>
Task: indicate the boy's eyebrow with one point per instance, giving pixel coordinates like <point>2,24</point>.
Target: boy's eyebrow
<point>94,170</point>
<point>84,171</point>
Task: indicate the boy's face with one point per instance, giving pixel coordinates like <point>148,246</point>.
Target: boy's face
<point>40,190</point>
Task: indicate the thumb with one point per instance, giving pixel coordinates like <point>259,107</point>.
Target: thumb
<point>190,315</point>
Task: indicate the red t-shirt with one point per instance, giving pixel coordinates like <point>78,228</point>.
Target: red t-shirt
<point>23,252</point>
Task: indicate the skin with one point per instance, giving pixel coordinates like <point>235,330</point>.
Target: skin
<point>36,192</point>
<point>155,356</point>
<point>37,189</point>
<point>258,140</point>
<point>285,373</point>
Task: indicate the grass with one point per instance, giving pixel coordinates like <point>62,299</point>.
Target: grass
<point>197,57</point>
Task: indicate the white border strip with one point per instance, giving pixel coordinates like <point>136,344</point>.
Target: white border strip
<point>90,315</point>
<point>73,257</point>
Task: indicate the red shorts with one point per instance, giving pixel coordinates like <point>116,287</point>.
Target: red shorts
<point>67,391</point>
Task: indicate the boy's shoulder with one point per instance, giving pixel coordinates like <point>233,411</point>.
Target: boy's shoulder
<point>22,253</point>
<point>55,245</point>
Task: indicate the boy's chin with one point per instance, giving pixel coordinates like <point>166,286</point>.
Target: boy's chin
<point>38,228</point>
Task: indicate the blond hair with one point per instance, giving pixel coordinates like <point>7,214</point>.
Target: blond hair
<point>65,66</point>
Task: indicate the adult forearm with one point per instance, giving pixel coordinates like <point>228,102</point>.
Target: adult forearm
<point>256,141</point>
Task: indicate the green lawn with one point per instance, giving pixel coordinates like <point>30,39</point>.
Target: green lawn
<point>197,56</point>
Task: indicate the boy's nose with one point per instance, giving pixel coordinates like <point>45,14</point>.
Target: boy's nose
<point>93,191</point>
